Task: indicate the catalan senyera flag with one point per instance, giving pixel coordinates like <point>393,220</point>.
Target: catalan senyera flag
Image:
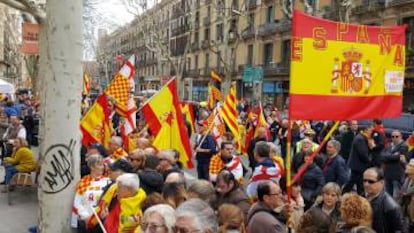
<point>188,110</point>
<point>86,85</point>
<point>342,71</point>
<point>95,125</point>
<point>215,76</point>
<point>229,114</point>
<point>165,120</point>
<point>216,124</point>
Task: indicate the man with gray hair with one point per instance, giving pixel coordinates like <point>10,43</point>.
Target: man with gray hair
<point>195,215</point>
<point>335,168</point>
<point>115,150</point>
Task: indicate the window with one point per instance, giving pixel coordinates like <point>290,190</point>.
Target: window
<point>270,14</point>
<point>409,38</point>
<point>219,32</point>
<point>251,19</point>
<point>207,34</point>
<point>285,52</point>
<point>207,61</point>
<point>249,55</point>
<point>267,53</point>
<point>197,18</point>
<point>218,62</point>
<point>196,37</point>
<point>196,62</point>
<point>188,63</point>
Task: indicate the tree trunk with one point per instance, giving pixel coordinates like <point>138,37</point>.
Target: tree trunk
<point>61,75</point>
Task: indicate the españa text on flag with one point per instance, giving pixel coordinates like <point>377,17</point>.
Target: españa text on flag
<point>341,71</point>
<point>165,120</point>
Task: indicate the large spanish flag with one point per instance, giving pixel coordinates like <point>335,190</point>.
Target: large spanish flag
<point>95,125</point>
<point>342,71</point>
<point>165,120</point>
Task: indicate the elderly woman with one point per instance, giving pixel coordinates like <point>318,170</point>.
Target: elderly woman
<point>22,159</point>
<point>329,203</point>
<point>88,192</point>
<point>195,215</point>
<point>355,211</point>
<point>126,215</point>
<point>158,219</point>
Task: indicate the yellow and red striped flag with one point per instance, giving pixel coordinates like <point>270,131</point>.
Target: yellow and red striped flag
<point>229,114</point>
<point>213,94</point>
<point>261,123</point>
<point>86,85</point>
<point>342,71</point>
<point>165,120</point>
<point>95,125</point>
<point>215,76</point>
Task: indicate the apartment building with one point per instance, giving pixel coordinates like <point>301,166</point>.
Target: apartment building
<point>232,37</point>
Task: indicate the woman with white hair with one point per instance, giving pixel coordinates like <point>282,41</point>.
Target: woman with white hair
<point>158,219</point>
<point>195,215</point>
<point>127,214</point>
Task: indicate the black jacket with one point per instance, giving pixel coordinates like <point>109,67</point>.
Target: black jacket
<point>376,152</point>
<point>250,150</point>
<point>346,143</point>
<point>336,170</point>
<point>359,158</point>
<point>387,215</point>
<point>312,182</point>
<point>394,169</point>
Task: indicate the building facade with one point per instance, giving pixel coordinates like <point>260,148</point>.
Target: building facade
<point>189,38</point>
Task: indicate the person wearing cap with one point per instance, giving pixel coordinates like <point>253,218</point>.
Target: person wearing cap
<point>167,163</point>
<point>127,214</point>
<point>108,198</point>
<point>205,149</point>
<point>309,134</point>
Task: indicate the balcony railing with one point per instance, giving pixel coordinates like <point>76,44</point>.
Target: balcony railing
<point>272,28</point>
<point>232,37</point>
<point>248,32</point>
<point>372,6</point>
<point>205,44</point>
<point>273,69</point>
<point>399,2</point>
<point>206,21</point>
<point>192,73</point>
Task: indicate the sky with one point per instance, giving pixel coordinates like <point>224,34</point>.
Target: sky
<point>115,12</point>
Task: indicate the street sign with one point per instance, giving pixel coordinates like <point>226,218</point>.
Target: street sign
<point>252,74</point>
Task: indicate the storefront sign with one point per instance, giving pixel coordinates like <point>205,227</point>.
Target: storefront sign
<point>30,38</point>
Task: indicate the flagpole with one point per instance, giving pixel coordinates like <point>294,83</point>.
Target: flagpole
<point>313,155</point>
<point>204,136</point>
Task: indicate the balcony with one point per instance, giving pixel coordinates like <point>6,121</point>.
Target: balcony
<point>179,30</point>
<point>194,46</point>
<point>206,21</point>
<point>205,44</point>
<point>207,2</point>
<point>248,32</point>
<point>272,28</point>
<point>274,69</point>
<point>399,2</point>
<point>372,6</point>
<point>194,73</point>
<point>196,24</point>
<point>150,61</point>
<point>251,4</point>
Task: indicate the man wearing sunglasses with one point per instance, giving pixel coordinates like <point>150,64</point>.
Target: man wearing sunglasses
<point>386,212</point>
<point>395,160</point>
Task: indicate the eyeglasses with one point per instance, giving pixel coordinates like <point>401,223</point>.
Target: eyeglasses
<point>151,227</point>
<point>370,181</point>
<point>183,230</point>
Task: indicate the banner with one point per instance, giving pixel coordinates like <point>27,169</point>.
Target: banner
<point>342,71</point>
<point>30,38</point>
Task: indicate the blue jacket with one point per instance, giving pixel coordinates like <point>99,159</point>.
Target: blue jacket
<point>336,170</point>
<point>208,143</point>
<point>312,182</point>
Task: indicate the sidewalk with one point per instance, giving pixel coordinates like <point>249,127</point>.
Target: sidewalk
<point>22,214</point>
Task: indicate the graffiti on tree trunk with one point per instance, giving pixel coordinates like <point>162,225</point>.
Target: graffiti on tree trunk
<point>57,167</point>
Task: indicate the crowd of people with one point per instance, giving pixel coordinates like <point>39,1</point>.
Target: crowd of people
<point>18,133</point>
<point>358,182</point>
